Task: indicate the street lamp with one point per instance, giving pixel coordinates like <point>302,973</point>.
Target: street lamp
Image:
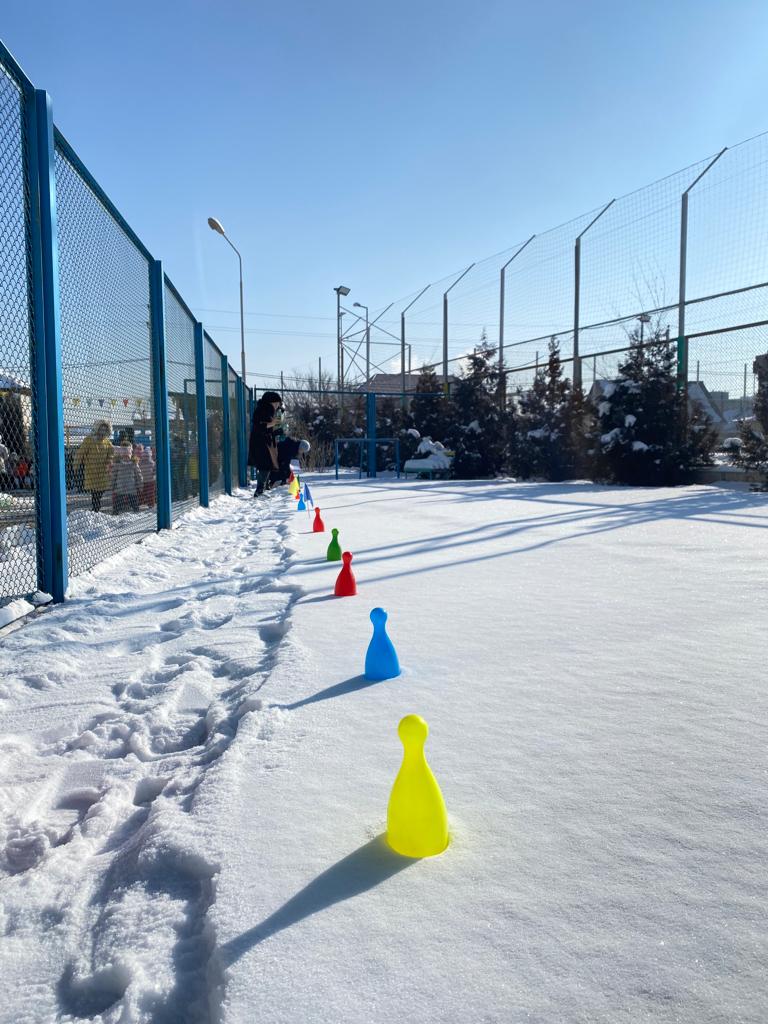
<point>341,290</point>
<point>359,305</point>
<point>215,225</point>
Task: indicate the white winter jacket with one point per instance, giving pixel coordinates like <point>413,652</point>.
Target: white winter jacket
<point>126,478</point>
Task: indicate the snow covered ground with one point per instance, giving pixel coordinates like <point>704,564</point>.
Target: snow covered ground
<point>195,774</point>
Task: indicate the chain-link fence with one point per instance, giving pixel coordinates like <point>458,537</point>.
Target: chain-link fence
<point>367,432</point>
<point>110,451</point>
<point>233,421</point>
<point>182,401</point>
<point>18,449</point>
<point>685,258</point>
<point>214,411</point>
<point>106,373</point>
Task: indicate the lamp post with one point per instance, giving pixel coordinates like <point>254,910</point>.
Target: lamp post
<point>340,290</point>
<point>359,305</point>
<point>215,225</point>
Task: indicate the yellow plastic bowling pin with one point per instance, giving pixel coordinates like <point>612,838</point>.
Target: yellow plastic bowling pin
<point>417,822</point>
<point>293,487</point>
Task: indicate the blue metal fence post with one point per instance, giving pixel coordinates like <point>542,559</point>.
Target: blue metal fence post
<point>202,414</point>
<point>248,422</point>
<point>241,450</point>
<point>370,430</point>
<point>160,390</point>
<point>227,445</point>
<point>53,567</point>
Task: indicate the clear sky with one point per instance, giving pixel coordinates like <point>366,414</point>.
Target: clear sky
<point>379,145</point>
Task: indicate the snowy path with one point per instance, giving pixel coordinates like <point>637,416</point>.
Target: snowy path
<point>133,689</point>
<point>195,774</point>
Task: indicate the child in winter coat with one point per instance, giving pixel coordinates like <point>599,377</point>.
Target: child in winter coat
<point>95,455</point>
<point>127,481</point>
<point>288,449</point>
<point>6,481</point>
<point>147,466</point>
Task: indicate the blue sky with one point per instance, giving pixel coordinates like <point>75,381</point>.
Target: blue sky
<point>378,145</point>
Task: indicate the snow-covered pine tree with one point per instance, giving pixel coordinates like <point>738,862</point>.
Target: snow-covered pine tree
<point>752,450</point>
<point>431,413</point>
<point>550,429</point>
<point>391,419</point>
<point>480,434</point>
<point>644,434</point>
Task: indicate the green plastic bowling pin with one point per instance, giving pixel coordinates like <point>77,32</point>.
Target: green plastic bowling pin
<point>417,822</point>
<point>334,548</point>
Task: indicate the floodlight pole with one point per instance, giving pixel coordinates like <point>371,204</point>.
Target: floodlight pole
<point>682,341</point>
<point>340,290</point>
<point>445,325</point>
<point>577,296</point>
<point>361,305</point>
<point>402,340</point>
<point>502,378</point>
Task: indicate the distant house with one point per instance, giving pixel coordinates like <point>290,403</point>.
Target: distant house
<point>392,383</point>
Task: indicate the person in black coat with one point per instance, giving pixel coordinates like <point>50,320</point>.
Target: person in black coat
<point>262,446</point>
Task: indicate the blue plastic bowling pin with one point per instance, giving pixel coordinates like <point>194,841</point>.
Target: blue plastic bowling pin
<point>381,660</point>
<point>301,507</point>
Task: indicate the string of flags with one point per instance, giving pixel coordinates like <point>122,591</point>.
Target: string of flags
<point>75,400</point>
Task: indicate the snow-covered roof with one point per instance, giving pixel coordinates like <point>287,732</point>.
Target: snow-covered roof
<point>10,382</point>
<point>392,383</point>
<point>697,392</point>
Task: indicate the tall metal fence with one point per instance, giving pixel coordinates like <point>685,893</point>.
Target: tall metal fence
<point>364,430</point>
<point>685,258</point>
<point>117,412</point>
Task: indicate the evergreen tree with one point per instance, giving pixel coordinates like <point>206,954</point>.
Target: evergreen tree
<point>550,431</point>
<point>480,434</point>
<point>644,433</point>
<point>431,412</point>
<point>752,450</point>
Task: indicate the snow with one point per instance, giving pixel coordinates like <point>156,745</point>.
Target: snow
<point>630,420</point>
<point>14,610</point>
<point>200,773</point>
<point>611,436</point>
<point>640,446</point>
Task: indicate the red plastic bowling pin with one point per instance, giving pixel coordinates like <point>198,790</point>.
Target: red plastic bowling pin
<point>291,478</point>
<point>318,526</point>
<point>345,581</point>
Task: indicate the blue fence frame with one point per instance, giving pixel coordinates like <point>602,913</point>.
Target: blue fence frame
<point>41,143</point>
